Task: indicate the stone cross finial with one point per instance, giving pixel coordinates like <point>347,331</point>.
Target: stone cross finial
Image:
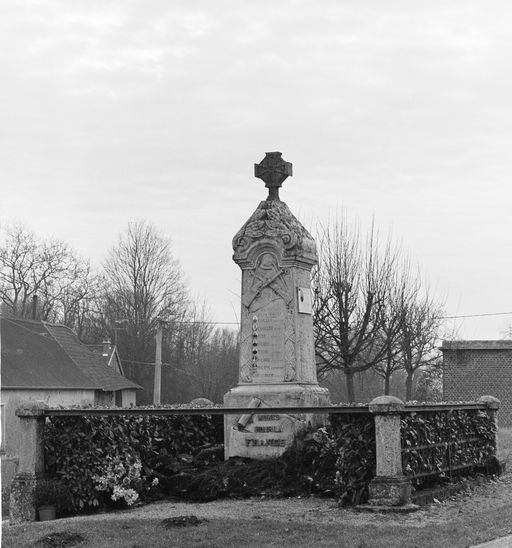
<point>273,170</point>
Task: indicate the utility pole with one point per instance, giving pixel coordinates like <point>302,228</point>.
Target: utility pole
<point>158,364</point>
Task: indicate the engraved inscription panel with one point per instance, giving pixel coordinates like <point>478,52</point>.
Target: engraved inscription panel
<point>268,341</point>
<point>271,343</point>
<point>264,436</point>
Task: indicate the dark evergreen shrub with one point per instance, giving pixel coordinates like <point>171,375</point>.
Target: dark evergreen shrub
<point>440,446</point>
<point>128,453</point>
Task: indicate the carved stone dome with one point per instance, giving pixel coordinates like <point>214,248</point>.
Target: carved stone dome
<point>275,225</point>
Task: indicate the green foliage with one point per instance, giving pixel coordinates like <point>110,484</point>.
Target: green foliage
<point>237,477</point>
<point>438,445</point>
<point>77,449</point>
<point>316,463</point>
<point>98,457</point>
<point>310,462</point>
<point>355,464</point>
<point>307,467</point>
<point>104,459</point>
<point>429,385</point>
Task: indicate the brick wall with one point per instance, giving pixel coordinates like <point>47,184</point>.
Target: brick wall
<point>476,368</point>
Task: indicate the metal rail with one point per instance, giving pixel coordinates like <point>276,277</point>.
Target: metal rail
<point>444,444</point>
<point>332,410</point>
<point>432,408</point>
<point>443,470</point>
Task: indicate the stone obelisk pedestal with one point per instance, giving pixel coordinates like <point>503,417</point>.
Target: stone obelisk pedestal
<point>277,359</point>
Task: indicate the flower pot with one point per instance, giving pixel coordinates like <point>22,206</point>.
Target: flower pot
<point>46,513</point>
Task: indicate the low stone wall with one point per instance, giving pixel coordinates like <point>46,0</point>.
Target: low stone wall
<point>392,484</point>
<point>9,465</point>
<point>389,488</point>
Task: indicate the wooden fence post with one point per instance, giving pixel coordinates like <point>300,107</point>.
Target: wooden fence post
<point>22,503</point>
<point>389,487</point>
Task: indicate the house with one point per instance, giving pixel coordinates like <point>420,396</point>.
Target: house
<point>479,368</point>
<point>109,356</point>
<point>41,361</point>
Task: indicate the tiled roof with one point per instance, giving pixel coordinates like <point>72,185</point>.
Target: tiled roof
<point>31,358</point>
<point>38,354</point>
<point>90,364</point>
<point>97,349</point>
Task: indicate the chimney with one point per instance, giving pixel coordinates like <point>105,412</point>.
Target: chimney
<point>107,347</point>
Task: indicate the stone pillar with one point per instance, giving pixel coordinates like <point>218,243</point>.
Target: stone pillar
<point>277,365</point>
<point>389,487</point>
<point>22,504</point>
<point>493,404</point>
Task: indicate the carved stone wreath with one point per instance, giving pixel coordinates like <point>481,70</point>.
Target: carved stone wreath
<point>273,221</point>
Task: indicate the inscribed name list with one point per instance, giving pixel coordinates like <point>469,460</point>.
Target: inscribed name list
<point>271,339</point>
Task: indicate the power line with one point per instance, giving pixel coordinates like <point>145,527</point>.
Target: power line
<point>177,369</point>
<point>476,315</point>
<point>441,318</point>
<point>200,322</point>
<point>204,322</point>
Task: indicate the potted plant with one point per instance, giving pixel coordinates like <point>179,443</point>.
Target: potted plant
<point>51,499</point>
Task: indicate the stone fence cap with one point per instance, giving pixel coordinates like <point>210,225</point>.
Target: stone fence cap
<point>490,401</point>
<point>32,409</point>
<point>386,404</point>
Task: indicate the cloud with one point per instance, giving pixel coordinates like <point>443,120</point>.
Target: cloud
<point>116,108</point>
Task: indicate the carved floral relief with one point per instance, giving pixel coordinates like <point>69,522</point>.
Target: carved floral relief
<point>274,221</point>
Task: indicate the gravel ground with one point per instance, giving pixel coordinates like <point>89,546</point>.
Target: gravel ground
<point>486,496</point>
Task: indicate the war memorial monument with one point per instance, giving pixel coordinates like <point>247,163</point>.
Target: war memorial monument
<point>277,356</point>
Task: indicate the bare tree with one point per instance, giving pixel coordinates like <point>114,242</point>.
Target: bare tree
<point>48,269</point>
<point>79,307</point>
<point>191,350</point>
<point>429,386</point>
<point>204,359</point>
<point>223,351</point>
<point>351,286</point>
<point>419,336</point>
<point>142,281</point>
<point>403,291</point>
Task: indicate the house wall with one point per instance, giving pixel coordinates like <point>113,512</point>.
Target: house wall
<point>12,400</point>
<point>128,398</point>
<point>470,372</point>
<point>104,399</point>
<point>122,398</point>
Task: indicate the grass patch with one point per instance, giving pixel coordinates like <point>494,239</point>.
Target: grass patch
<point>182,521</point>
<point>62,539</point>
<point>346,531</point>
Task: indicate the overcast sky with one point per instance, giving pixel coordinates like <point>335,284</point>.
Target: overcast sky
<point>113,111</point>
